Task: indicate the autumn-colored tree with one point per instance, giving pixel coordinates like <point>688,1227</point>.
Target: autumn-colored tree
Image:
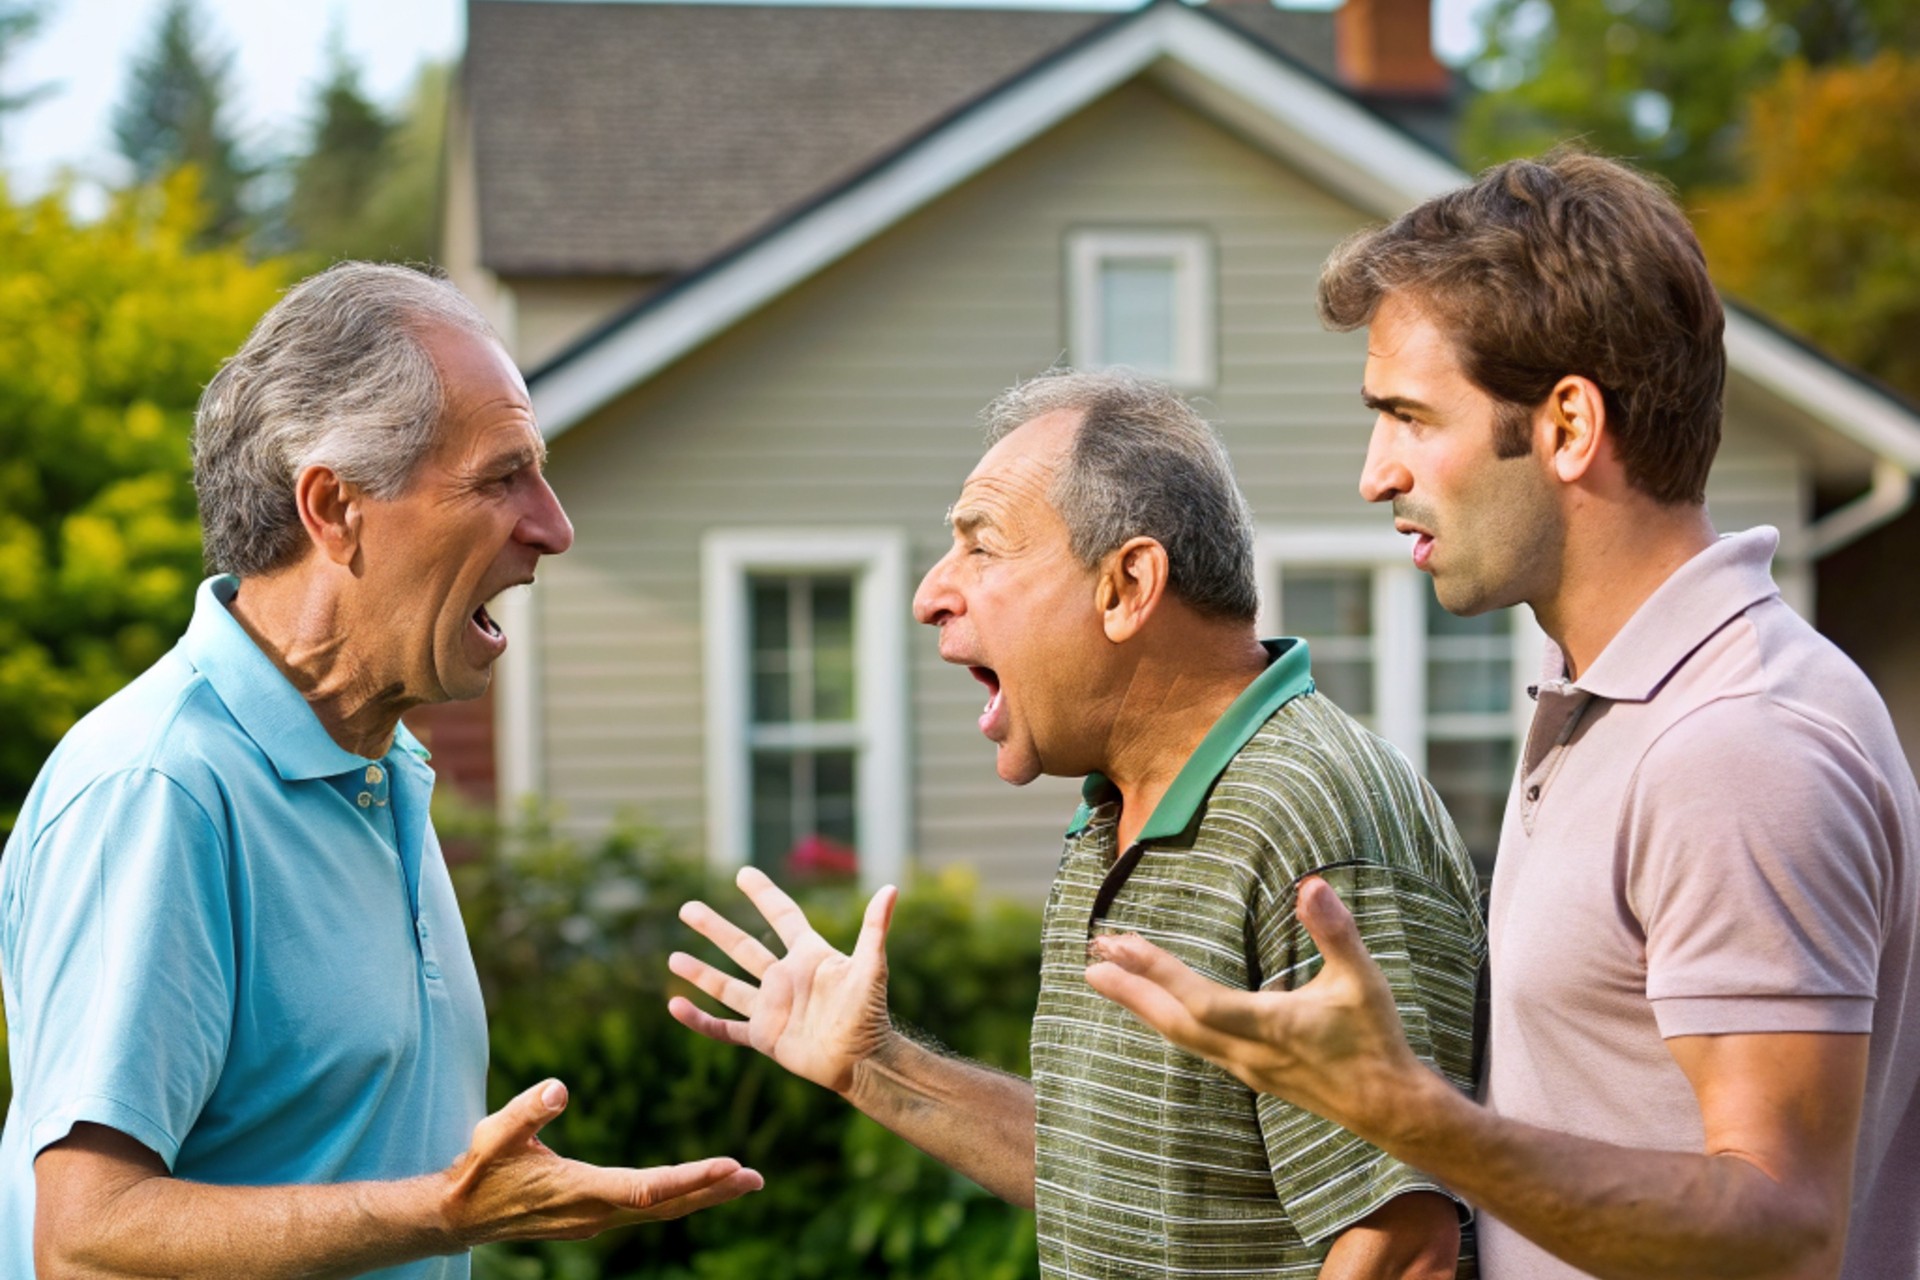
<point>1824,233</point>
<point>108,331</point>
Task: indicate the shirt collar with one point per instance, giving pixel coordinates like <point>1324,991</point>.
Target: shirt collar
<point>1287,677</point>
<point>1702,596</point>
<point>264,702</point>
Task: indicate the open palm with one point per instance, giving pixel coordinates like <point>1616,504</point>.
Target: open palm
<point>816,1011</point>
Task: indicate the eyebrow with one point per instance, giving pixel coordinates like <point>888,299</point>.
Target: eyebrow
<point>525,455</point>
<point>1393,404</point>
<point>968,520</point>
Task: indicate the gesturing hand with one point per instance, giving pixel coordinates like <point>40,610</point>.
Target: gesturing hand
<point>511,1186</point>
<point>1334,1046</point>
<point>816,1012</point>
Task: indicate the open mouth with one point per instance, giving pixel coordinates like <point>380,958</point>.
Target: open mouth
<point>484,620</point>
<point>996,699</point>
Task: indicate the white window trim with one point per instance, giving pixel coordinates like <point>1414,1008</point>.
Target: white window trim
<point>878,560</point>
<point>1194,340</point>
<point>1400,625</point>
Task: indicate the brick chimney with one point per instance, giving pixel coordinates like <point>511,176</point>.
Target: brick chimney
<point>1384,48</point>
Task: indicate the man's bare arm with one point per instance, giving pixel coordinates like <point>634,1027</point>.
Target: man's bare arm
<point>106,1206</point>
<point>1767,1197</point>
<point>1415,1236</point>
<point>823,1016</point>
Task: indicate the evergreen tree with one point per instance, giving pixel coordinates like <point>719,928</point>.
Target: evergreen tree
<point>19,19</point>
<point>173,115</point>
<point>346,162</point>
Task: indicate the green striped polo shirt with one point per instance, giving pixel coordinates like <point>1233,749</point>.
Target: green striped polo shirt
<point>1151,1162</point>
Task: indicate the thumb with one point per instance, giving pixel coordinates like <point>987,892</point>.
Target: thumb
<point>879,918</point>
<point>1330,925</point>
<point>520,1121</point>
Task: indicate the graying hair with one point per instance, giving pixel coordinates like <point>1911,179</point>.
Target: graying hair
<point>335,375</point>
<point>1144,464</point>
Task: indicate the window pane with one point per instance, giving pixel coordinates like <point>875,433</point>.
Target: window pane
<point>834,809</point>
<point>769,657</point>
<point>1137,313</point>
<point>1332,610</point>
<point>1469,661</point>
<point>1472,778</point>
<point>773,816</point>
<point>833,649</point>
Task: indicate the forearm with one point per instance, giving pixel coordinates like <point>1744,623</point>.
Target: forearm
<point>162,1226</point>
<point>1617,1211</point>
<point>973,1118</point>
<point>1415,1236</point>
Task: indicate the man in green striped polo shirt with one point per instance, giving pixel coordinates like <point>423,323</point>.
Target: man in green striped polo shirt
<point>1100,586</point>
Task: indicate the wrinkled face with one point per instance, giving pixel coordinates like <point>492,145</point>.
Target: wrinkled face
<point>475,520</point>
<point>1489,529</point>
<point>1017,610</point>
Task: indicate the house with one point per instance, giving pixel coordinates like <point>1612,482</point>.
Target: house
<point>765,264</point>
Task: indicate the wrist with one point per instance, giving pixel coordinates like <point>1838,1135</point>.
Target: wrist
<point>1424,1109</point>
<point>881,1066</point>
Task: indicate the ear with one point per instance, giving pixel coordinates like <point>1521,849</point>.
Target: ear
<point>1131,585</point>
<point>1577,419</point>
<point>330,509</point>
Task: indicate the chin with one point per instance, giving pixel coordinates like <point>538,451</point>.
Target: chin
<point>1016,770</point>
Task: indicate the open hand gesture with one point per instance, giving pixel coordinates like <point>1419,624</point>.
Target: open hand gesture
<point>1334,1046</point>
<point>815,1011</point>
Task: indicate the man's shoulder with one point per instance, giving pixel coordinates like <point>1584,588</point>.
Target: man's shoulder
<point>167,721</point>
<point>1310,751</point>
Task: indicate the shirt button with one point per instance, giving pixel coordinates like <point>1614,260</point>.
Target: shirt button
<point>366,798</point>
<point>1533,792</point>
<point>373,773</point>
<point>432,970</point>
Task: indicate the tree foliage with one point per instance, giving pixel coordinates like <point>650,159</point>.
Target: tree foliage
<point>108,331</point>
<point>1825,232</point>
<point>19,20</point>
<point>174,114</point>
<point>1663,82</point>
<point>368,185</point>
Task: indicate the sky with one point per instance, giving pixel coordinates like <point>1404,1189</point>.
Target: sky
<point>84,47</point>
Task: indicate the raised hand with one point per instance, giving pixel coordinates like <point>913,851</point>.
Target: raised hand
<point>1334,1046</point>
<point>816,1011</point>
<point>511,1186</point>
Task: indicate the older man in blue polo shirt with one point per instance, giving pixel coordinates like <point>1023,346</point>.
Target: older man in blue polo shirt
<point>246,1033</point>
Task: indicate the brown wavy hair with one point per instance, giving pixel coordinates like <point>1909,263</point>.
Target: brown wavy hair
<point>1569,264</point>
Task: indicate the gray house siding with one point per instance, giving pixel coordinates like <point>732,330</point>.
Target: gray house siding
<point>851,403</point>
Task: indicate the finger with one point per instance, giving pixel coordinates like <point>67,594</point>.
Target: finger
<point>1155,1006</point>
<point>516,1124</point>
<point>644,1190</point>
<point>1330,925</point>
<point>782,912</point>
<point>732,1187</point>
<point>740,947</point>
<point>1219,1009</point>
<point>724,987</point>
<point>879,918</point>
<point>694,1018</point>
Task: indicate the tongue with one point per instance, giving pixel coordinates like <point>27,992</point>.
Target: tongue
<point>993,710</point>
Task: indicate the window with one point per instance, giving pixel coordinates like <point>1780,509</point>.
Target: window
<point>1142,299</point>
<point>806,701</point>
<point>1448,691</point>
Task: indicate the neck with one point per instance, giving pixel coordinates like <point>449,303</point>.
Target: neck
<point>1611,568</point>
<point>1174,694</point>
<point>302,624</point>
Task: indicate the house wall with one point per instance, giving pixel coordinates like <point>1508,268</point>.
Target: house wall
<point>551,313</point>
<point>852,401</point>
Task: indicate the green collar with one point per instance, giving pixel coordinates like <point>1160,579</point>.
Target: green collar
<point>1287,677</point>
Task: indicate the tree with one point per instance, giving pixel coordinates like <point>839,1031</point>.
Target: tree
<point>1662,82</point>
<point>19,19</point>
<point>1825,232</point>
<point>174,113</point>
<point>108,331</point>
<point>369,186</point>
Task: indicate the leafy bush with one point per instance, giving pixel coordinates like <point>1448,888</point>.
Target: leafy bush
<point>571,940</point>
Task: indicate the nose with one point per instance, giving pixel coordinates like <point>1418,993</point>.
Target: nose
<point>1384,477</point>
<point>935,600</point>
<point>544,526</point>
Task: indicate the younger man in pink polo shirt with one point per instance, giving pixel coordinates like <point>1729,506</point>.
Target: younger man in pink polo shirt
<point>1705,1023</point>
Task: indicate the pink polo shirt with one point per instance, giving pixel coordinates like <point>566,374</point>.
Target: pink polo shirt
<point>1712,830</point>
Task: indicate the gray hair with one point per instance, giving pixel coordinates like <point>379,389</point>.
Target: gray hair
<point>335,375</point>
<point>1144,464</point>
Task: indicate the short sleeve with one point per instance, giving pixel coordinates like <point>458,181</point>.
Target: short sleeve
<point>1328,1178</point>
<point>1758,860</point>
<point>124,983</point>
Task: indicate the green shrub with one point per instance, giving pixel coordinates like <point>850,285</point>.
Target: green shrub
<point>571,940</point>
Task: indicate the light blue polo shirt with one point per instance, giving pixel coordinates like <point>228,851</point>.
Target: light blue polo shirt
<point>231,939</point>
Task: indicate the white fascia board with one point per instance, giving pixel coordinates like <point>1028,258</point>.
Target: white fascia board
<point>1877,423</point>
<point>824,235</point>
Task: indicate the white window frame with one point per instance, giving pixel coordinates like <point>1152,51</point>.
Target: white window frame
<point>877,559</point>
<point>1399,625</point>
<point>1195,343</point>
